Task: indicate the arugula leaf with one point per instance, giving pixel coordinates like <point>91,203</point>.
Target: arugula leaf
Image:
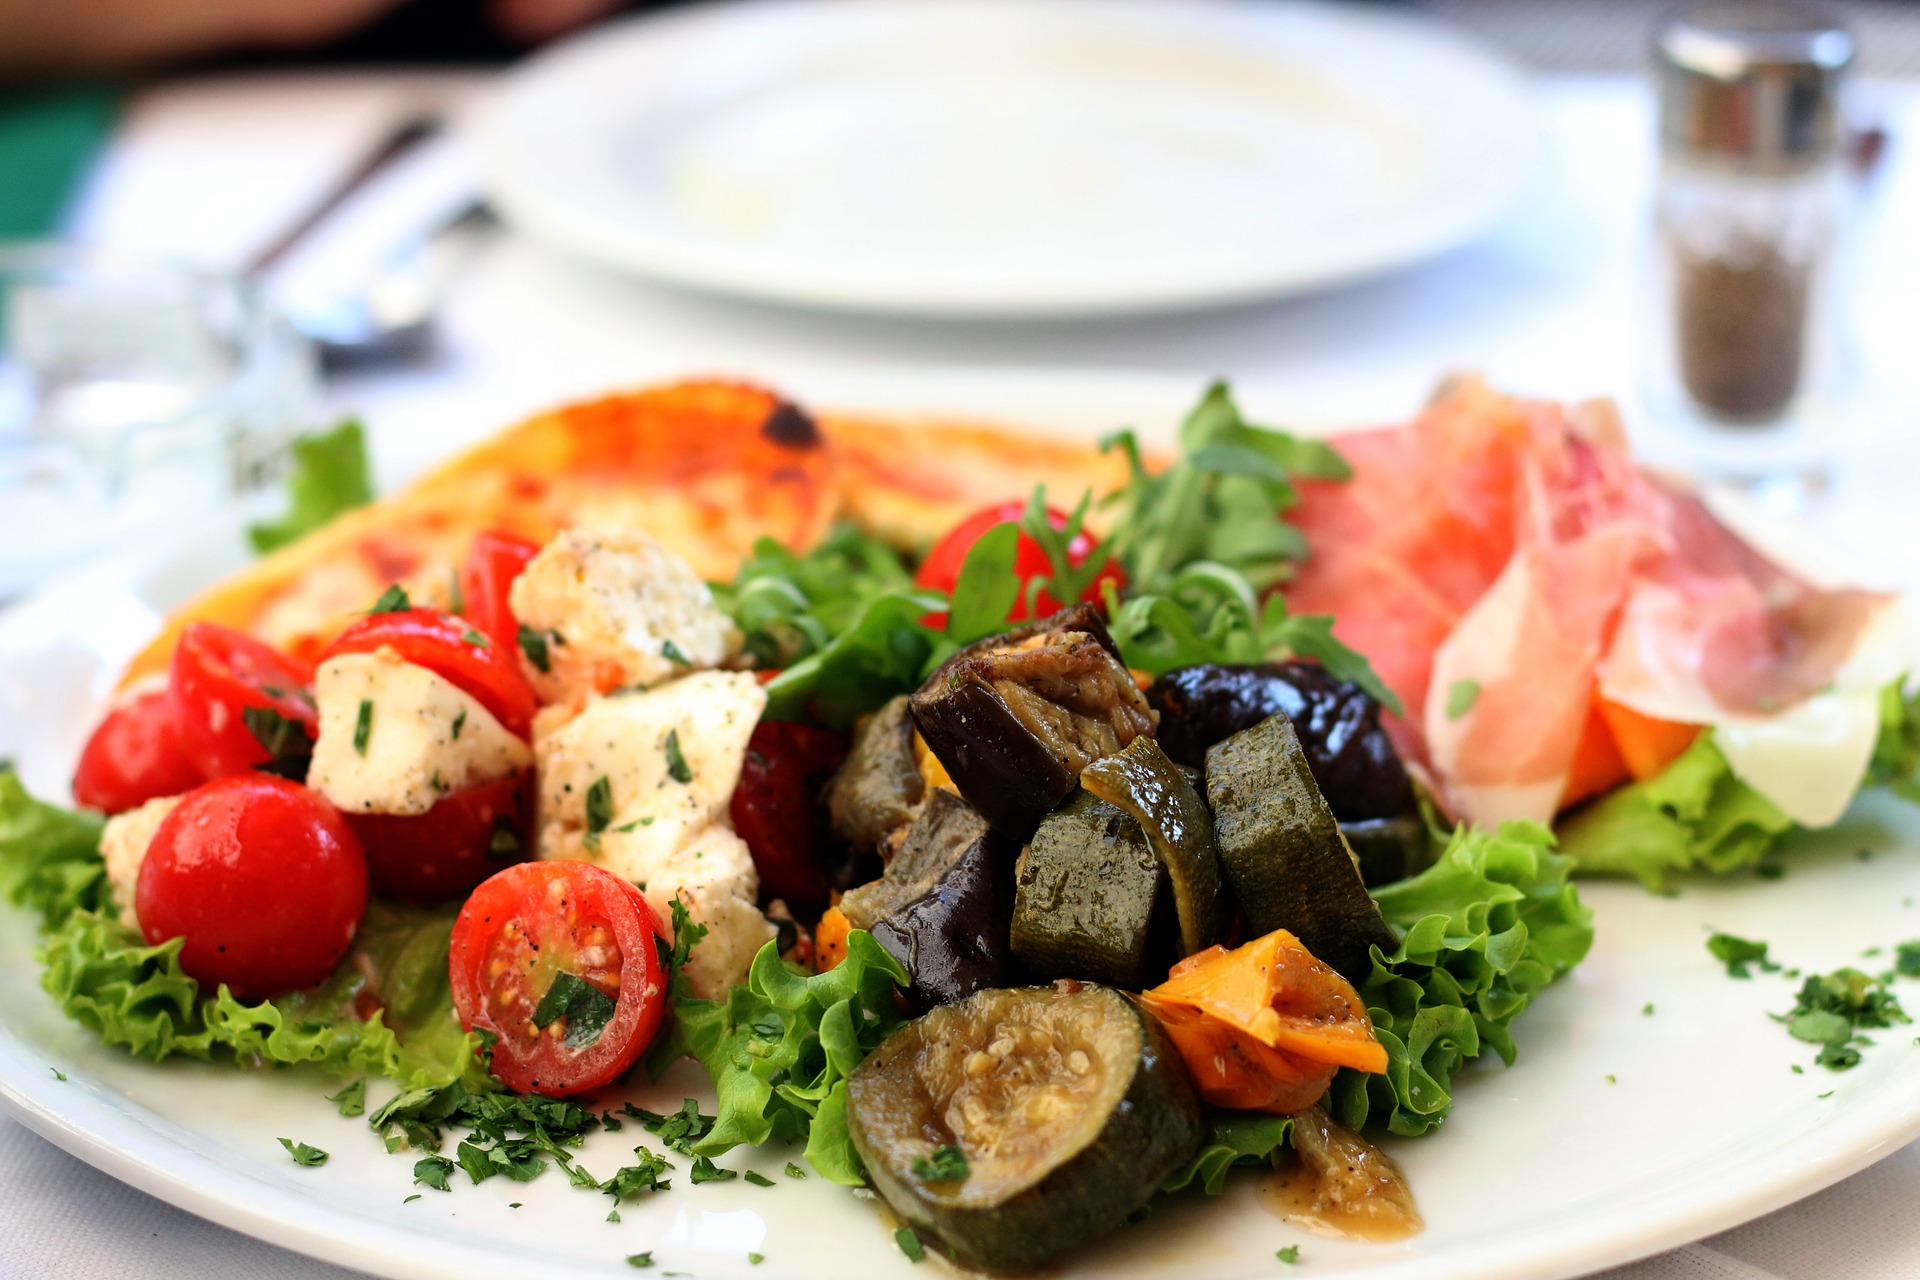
<point>329,476</point>
<point>790,605</point>
<point>1482,931</point>
<point>309,1157</point>
<point>886,650</point>
<point>1064,579</point>
<point>987,587</point>
<point>49,856</point>
<point>1695,813</point>
<point>1232,1138</point>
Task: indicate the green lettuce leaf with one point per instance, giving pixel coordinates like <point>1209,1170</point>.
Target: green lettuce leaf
<point>780,1047</point>
<point>1482,931</point>
<point>1233,1138</point>
<point>1695,814</point>
<point>1896,753</point>
<point>329,476</point>
<point>49,856</point>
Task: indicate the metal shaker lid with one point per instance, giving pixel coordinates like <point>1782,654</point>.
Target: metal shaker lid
<point>1754,84</point>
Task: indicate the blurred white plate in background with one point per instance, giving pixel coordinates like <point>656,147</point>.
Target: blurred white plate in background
<point>1010,157</point>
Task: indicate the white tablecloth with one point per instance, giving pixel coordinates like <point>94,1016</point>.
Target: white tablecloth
<point>1548,304</point>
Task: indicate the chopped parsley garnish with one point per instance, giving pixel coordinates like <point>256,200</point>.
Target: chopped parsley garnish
<point>363,727</point>
<point>599,811</point>
<point>1647,1008</point>
<point>910,1244</point>
<point>942,1164</point>
<point>1831,1009</point>
<point>432,1172</point>
<point>534,645</point>
<point>671,652</point>
<point>351,1100</point>
<point>392,600</point>
<point>459,723</point>
<point>1906,959</point>
<point>283,738</point>
<point>1461,695</point>
<point>705,1170</point>
<point>1737,953</point>
<point>756,1178</point>
<point>511,1134</point>
<point>613,1215</point>
<point>586,1008</point>
<point>677,767</point>
<point>795,1171</point>
<point>681,1130</point>
<point>476,638</point>
<point>645,1175</point>
<point>410,1199</point>
<point>640,1259</point>
<point>1289,1255</point>
<point>309,1157</point>
<point>625,827</point>
<point>61,1076</point>
<point>756,1259</point>
<point>504,845</point>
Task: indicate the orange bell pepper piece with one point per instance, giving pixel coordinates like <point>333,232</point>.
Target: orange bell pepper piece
<point>1264,1027</point>
<point>1647,745</point>
<point>830,939</point>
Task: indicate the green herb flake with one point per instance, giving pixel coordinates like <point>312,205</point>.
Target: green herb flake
<point>283,738</point>
<point>677,767</point>
<point>755,1259</point>
<point>1906,959</point>
<point>1770,871</point>
<point>61,1076</point>
<point>646,1174</point>
<point>504,844</point>
<point>1612,1079</point>
<point>534,645</point>
<point>640,1259</point>
<point>304,1155</point>
<point>795,1171</point>
<point>1799,1070</point>
<point>910,1244</point>
<point>705,1170</point>
<point>1461,695</point>
<point>756,1178</point>
<point>1289,1255</point>
<point>432,1171</point>
<point>613,1215</point>
<point>586,1008</point>
<point>1647,1008</point>
<point>1827,1094</point>
<point>599,811</point>
<point>363,727</point>
<point>672,653</point>
<point>1831,1010</point>
<point>942,1164</point>
<point>410,1199</point>
<point>516,1205</point>
<point>1737,953</point>
<point>475,637</point>
<point>351,1100</point>
<point>393,600</point>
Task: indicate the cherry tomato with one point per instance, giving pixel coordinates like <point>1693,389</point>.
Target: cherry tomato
<point>134,756</point>
<point>495,560</point>
<point>261,877</point>
<point>538,924</point>
<point>941,569</point>
<point>450,647</point>
<point>773,808</point>
<point>430,857</point>
<point>217,675</point>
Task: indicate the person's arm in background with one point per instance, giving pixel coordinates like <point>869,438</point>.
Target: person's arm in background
<point>44,39</point>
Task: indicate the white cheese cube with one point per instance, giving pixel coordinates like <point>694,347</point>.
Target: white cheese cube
<point>419,737</point>
<point>715,880</point>
<point>613,608</point>
<point>124,842</point>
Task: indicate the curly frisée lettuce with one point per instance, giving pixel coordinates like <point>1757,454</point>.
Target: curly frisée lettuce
<point>1482,932</point>
<point>780,1047</point>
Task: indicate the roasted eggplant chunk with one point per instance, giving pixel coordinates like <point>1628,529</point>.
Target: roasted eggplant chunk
<point>1086,891</point>
<point>944,908</point>
<point>878,788</point>
<point>1338,724</point>
<point>1016,717</point>
<point>1281,848</point>
<point>1156,793</point>
<point>1068,1104</point>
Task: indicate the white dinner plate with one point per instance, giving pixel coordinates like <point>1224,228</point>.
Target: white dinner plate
<point>1653,1102</point>
<point>1010,157</point>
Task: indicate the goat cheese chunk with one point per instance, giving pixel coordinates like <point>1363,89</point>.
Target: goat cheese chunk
<point>639,783</point>
<point>603,609</point>
<point>124,842</point>
<point>396,737</point>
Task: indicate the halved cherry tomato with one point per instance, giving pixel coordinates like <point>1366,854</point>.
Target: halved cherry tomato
<point>217,674</point>
<point>773,808</point>
<point>541,923</point>
<point>941,569</point>
<point>262,879</point>
<point>450,647</point>
<point>134,756</point>
<point>494,561</point>
<point>430,857</point>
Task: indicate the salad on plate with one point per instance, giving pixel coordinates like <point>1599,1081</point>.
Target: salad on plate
<point>1021,829</point>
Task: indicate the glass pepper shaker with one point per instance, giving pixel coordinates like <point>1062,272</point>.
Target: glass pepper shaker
<point>1748,214</point>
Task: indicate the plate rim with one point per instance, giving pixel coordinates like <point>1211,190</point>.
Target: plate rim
<point>517,190</point>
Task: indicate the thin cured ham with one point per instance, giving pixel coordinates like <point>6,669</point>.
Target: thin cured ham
<point>1512,575</point>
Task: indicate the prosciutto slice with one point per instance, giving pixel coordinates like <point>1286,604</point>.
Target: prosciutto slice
<point>1504,563</point>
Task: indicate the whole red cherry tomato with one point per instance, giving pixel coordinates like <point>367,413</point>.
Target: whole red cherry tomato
<point>941,569</point>
<point>494,561</point>
<point>452,648</point>
<point>218,674</point>
<point>262,879</point>
<point>431,857</point>
<point>558,959</point>
<point>134,756</point>
<point>773,808</point>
